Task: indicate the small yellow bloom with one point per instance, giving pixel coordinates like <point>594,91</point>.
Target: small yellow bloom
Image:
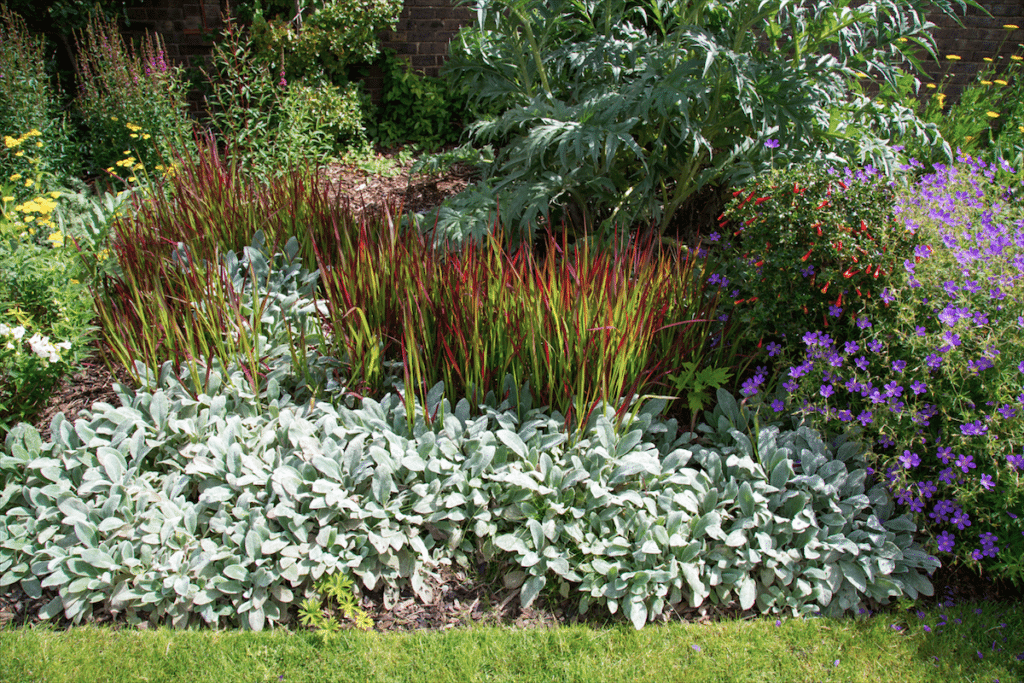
<point>159,167</point>
<point>39,144</point>
<point>901,40</point>
<point>992,114</point>
<point>8,199</point>
<point>103,255</point>
<point>999,81</point>
<point>930,85</point>
<point>987,59</point>
<point>1012,27</point>
<point>1016,58</point>
<point>955,58</point>
<point>33,133</point>
<point>146,136</point>
<point>16,176</point>
<point>968,138</point>
<point>74,281</point>
<point>19,153</point>
<point>11,142</point>
<point>134,135</point>
<point>127,152</point>
<point>1020,128</point>
<point>131,179</point>
<point>29,182</point>
<point>860,74</point>
<point>113,118</point>
<point>55,195</point>
<point>138,167</point>
<point>986,82</point>
<point>132,127</point>
<point>56,239</point>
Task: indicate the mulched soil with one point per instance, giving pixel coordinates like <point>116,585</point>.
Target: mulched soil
<point>460,598</point>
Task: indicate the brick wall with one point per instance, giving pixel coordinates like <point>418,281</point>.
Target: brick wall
<point>426,26</point>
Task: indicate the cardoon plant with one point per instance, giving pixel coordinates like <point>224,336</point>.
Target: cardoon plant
<point>938,391</point>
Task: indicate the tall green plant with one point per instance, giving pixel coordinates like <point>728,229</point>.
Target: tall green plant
<point>615,112</point>
<point>129,98</point>
<point>29,102</point>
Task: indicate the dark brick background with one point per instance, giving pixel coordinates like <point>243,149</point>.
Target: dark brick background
<point>426,26</point>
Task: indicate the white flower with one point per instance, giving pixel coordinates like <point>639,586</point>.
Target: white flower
<point>16,332</point>
<point>42,347</point>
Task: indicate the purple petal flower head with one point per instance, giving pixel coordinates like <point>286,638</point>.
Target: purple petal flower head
<point>965,462</point>
<point>865,417</point>
<point>928,489</point>
<point>861,362</point>
<point>918,387</point>
<point>947,476</point>
<point>887,297</point>
<point>851,347</point>
<point>774,349</point>
<point>899,365</point>
<point>826,390</point>
<point>910,460</point>
<point>933,361</point>
<point>987,483</point>
<point>834,311</point>
<point>920,330</point>
<point>778,406</point>
<point>696,648</point>
<point>946,541</point>
<point>961,519</point>
<point>863,323</point>
<point>771,144</point>
<point>976,428</point>
<point>1016,461</point>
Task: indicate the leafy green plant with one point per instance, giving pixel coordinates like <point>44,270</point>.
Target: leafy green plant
<point>613,113</point>
<point>271,125</point>
<point>29,102</point>
<point>934,376</point>
<point>806,248</point>
<point>321,39</point>
<point>693,385</point>
<point>128,98</point>
<point>416,109</point>
<point>45,316</point>
<point>337,588</point>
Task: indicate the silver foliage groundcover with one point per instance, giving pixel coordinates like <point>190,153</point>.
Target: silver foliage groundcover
<point>225,507</point>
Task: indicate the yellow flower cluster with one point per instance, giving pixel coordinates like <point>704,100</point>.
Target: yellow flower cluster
<point>38,210</point>
<point>135,131</point>
<point>10,142</point>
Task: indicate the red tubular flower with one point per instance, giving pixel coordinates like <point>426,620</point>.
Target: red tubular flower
<point>842,184</point>
<point>825,288</point>
<point>808,254</point>
<point>850,272</point>
<point>817,226</point>
<point>761,200</point>
<point>824,203</point>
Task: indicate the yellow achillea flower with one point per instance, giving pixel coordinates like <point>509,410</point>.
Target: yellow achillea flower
<point>33,133</point>
<point>56,239</point>
<point>941,97</point>
<point>955,58</point>
<point>986,82</point>
<point>11,142</point>
<point>992,114</point>
<point>930,85</point>
<point>29,182</point>
<point>999,81</point>
<point>16,177</point>
<point>1016,58</point>
<point>55,194</point>
<point>133,128</point>
<point>987,59</point>
<point>1020,128</point>
<point>1012,27</point>
<point>8,199</point>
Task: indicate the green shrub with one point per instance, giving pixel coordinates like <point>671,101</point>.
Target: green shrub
<point>416,109</point>
<point>45,316</point>
<point>324,38</point>
<point>934,378</point>
<point>269,124</point>
<point>613,114</point>
<point>806,248</point>
<point>29,106</point>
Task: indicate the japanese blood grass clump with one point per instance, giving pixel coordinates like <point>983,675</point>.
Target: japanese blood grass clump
<point>580,325</point>
<point>224,504</point>
<point>937,389</point>
<point>187,310</point>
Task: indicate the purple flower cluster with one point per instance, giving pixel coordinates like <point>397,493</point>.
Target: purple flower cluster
<point>936,372</point>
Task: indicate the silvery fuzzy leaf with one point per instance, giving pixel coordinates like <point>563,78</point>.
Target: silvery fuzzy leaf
<point>514,442</point>
<point>530,590</point>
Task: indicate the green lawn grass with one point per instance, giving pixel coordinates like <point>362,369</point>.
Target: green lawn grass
<point>983,646</point>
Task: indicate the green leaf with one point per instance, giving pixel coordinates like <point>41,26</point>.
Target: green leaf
<point>530,590</point>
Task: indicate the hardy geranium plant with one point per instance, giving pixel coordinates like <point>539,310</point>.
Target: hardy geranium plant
<point>938,390</point>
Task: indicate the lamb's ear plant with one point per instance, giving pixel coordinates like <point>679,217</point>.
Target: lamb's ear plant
<point>610,115</point>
